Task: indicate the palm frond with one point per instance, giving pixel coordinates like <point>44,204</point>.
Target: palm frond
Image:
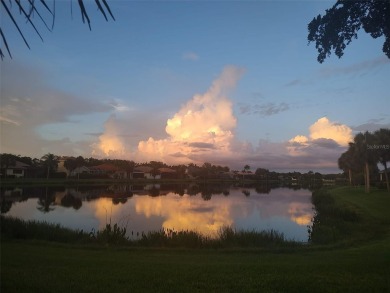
<point>32,8</point>
<point>16,25</point>
<point>47,7</point>
<point>28,18</point>
<point>84,13</point>
<point>108,9</point>
<point>101,9</point>
<point>6,45</point>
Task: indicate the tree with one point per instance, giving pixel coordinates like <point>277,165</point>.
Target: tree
<point>30,8</point>
<point>340,24</point>
<point>382,143</point>
<point>360,157</point>
<point>50,161</point>
<point>262,173</point>
<point>347,164</point>
<point>247,168</point>
<point>7,160</point>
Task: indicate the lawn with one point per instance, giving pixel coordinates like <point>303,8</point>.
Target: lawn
<point>363,266</point>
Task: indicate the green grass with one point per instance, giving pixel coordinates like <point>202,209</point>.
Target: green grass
<point>360,265</point>
<point>114,234</point>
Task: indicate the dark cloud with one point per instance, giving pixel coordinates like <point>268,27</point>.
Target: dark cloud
<point>266,109</point>
<point>354,68</point>
<point>370,126</point>
<point>294,82</point>
<point>331,71</point>
<point>201,145</point>
<point>325,143</point>
<point>96,134</point>
<point>178,155</point>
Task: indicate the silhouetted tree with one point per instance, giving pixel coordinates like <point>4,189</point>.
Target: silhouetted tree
<point>359,157</point>
<point>346,163</point>
<point>50,161</point>
<point>340,24</point>
<point>46,203</point>
<point>7,160</point>
<point>247,168</point>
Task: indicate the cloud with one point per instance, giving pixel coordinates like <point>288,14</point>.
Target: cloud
<point>201,145</point>
<point>332,71</point>
<point>371,125</point>
<point>326,141</point>
<point>354,68</point>
<point>123,131</point>
<point>110,144</point>
<point>28,103</point>
<point>323,128</point>
<point>190,56</point>
<point>266,109</point>
<point>202,129</point>
<point>295,82</point>
<point>207,118</point>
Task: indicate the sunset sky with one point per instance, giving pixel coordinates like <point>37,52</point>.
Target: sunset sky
<point>230,83</point>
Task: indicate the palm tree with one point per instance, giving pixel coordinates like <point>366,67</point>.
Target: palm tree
<point>347,163</point>
<point>382,141</point>
<point>363,156</point>
<point>50,161</point>
<point>30,8</point>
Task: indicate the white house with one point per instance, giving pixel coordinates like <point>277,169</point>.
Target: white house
<point>17,170</point>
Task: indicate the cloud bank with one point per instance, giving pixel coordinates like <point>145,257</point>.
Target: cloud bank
<point>203,130</point>
<point>28,103</point>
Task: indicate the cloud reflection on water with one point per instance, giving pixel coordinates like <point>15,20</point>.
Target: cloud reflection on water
<point>290,209</point>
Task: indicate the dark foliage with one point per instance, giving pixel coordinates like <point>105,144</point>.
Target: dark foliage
<point>341,23</point>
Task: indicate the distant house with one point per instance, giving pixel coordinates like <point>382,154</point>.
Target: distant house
<point>226,175</point>
<point>167,173</point>
<point>144,172</point>
<point>80,170</point>
<point>16,170</point>
<point>103,169</point>
<point>244,175</point>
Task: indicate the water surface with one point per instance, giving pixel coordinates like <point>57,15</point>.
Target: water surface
<point>205,209</point>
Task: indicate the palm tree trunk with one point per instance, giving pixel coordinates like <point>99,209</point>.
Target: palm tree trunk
<point>387,178</point>
<point>367,179</point>
<point>350,177</point>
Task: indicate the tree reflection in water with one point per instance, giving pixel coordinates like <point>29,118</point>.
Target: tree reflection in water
<point>200,207</point>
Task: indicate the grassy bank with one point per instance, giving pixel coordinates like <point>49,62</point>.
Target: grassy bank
<point>358,263</point>
<point>115,235</point>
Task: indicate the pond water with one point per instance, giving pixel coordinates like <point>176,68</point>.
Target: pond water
<point>202,208</point>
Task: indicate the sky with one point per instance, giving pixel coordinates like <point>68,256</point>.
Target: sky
<point>226,82</point>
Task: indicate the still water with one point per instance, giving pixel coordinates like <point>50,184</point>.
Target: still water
<point>202,208</point>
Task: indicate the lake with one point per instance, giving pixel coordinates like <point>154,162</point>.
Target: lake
<point>202,208</point>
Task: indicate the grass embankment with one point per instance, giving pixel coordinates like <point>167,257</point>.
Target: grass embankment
<point>360,264</point>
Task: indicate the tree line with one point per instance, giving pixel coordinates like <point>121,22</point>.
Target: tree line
<point>47,167</point>
<point>364,154</point>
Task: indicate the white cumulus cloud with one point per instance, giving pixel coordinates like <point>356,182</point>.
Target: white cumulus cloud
<point>206,119</point>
